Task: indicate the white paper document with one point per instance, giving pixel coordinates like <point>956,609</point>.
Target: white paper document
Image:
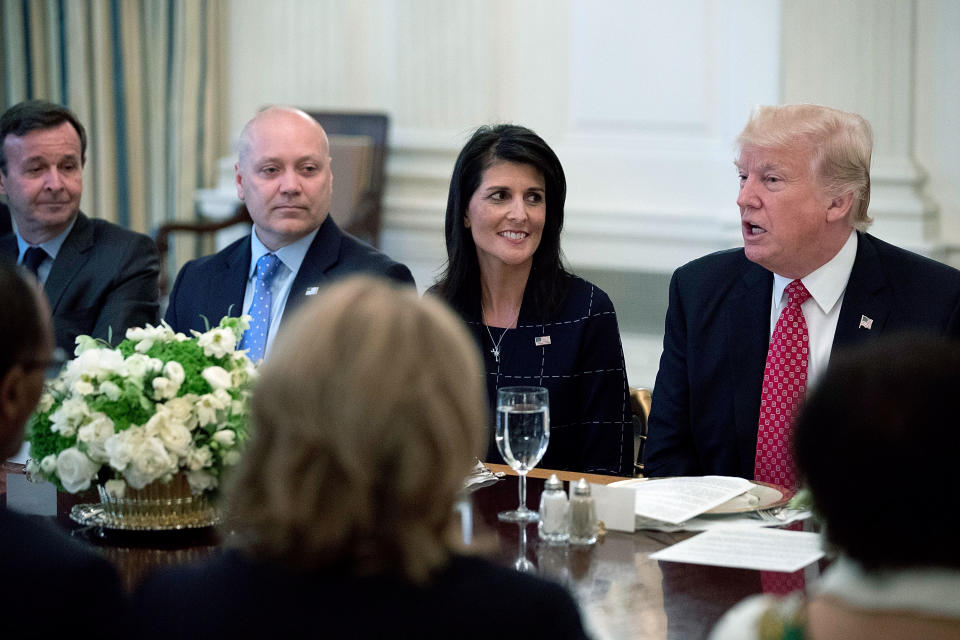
<point>761,549</point>
<point>676,500</point>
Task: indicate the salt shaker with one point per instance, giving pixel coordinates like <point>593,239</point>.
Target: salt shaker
<point>583,515</point>
<point>554,512</point>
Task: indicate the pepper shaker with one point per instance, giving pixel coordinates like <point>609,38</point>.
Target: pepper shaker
<point>554,512</point>
<point>583,515</point>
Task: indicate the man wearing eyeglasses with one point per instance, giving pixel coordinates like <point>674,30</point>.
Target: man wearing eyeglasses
<point>41,565</point>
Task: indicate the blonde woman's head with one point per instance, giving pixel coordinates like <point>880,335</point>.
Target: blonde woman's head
<point>367,416</point>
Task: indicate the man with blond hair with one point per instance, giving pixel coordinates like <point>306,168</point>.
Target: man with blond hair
<point>749,330</point>
<point>284,176</point>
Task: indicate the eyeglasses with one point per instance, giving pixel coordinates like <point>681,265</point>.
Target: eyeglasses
<point>52,367</point>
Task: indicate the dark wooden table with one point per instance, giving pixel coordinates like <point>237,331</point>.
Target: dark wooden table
<point>622,592</point>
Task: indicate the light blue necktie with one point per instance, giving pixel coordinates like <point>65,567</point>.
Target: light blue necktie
<point>255,338</point>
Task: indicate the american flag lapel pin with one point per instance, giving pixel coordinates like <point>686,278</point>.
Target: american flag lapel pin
<point>541,341</point>
<point>865,323</point>
<point>312,291</point>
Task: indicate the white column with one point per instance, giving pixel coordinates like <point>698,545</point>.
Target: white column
<point>858,55</point>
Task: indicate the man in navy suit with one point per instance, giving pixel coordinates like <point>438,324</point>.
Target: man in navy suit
<point>804,192</point>
<point>100,279</point>
<point>51,568</point>
<point>284,177</point>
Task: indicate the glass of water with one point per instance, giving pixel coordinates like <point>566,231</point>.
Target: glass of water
<point>522,434</point>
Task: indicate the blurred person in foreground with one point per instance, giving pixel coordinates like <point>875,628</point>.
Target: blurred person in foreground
<point>887,407</point>
<point>44,571</point>
<point>749,330</point>
<point>100,278</point>
<point>366,419</point>
<point>536,324</point>
<point>284,176</point>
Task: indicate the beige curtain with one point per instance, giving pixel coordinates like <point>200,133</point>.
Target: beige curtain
<point>146,79</point>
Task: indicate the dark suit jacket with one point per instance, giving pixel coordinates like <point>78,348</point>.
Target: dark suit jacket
<point>52,583</point>
<point>104,277</point>
<point>231,596</point>
<point>213,286</point>
<point>6,226</point>
<point>706,401</point>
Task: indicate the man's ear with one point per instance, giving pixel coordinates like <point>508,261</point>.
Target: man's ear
<point>839,207</point>
<point>12,394</point>
<point>238,179</point>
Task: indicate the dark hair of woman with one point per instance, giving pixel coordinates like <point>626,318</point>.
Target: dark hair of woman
<point>877,444</point>
<point>460,282</point>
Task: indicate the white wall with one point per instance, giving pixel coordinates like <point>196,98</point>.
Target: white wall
<point>641,100</point>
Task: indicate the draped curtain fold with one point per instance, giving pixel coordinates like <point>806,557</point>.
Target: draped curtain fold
<point>146,78</point>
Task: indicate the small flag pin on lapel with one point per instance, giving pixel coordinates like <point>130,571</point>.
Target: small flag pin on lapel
<point>312,291</point>
<point>541,341</point>
<point>865,323</point>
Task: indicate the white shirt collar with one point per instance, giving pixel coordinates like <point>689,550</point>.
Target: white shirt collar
<point>292,255</point>
<point>826,284</point>
<point>930,590</point>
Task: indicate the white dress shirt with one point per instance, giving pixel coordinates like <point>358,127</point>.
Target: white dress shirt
<point>291,257</point>
<point>821,311</point>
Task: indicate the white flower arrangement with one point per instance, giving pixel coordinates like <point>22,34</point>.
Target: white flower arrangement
<point>158,404</point>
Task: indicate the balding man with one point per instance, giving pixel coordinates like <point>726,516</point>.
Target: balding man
<point>284,177</point>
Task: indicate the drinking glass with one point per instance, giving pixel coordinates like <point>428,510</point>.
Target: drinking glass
<point>522,434</point>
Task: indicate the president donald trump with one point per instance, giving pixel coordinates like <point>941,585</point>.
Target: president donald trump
<point>749,330</point>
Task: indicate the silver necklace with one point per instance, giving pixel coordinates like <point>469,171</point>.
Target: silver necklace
<point>496,343</point>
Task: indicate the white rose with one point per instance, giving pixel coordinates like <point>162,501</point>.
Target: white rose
<point>201,481</point>
<point>95,434</point>
<point>83,387</point>
<point>208,407</point>
<point>145,337</point>
<point>175,437</point>
<point>217,377</point>
<point>199,458</point>
<point>164,388</point>
<point>119,448</point>
<point>49,464</point>
<point>181,410</point>
<point>84,343</point>
<point>226,437</point>
<point>115,488</point>
<point>137,365</point>
<point>231,458</point>
<point>33,469</point>
<point>150,462</point>
<point>75,470</point>
<point>174,372</point>
<point>46,403</point>
<point>71,414</point>
<point>217,343</point>
<point>110,389</point>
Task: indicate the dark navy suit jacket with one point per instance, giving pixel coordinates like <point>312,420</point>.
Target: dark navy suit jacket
<point>213,286</point>
<point>54,582</point>
<point>706,401</point>
<point>103,282</point>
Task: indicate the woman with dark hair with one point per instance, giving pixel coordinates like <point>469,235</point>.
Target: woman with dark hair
<point>877,444</point>
<point>536,323</point>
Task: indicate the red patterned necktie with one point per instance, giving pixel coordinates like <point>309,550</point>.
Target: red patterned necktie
<point>784,385</point>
